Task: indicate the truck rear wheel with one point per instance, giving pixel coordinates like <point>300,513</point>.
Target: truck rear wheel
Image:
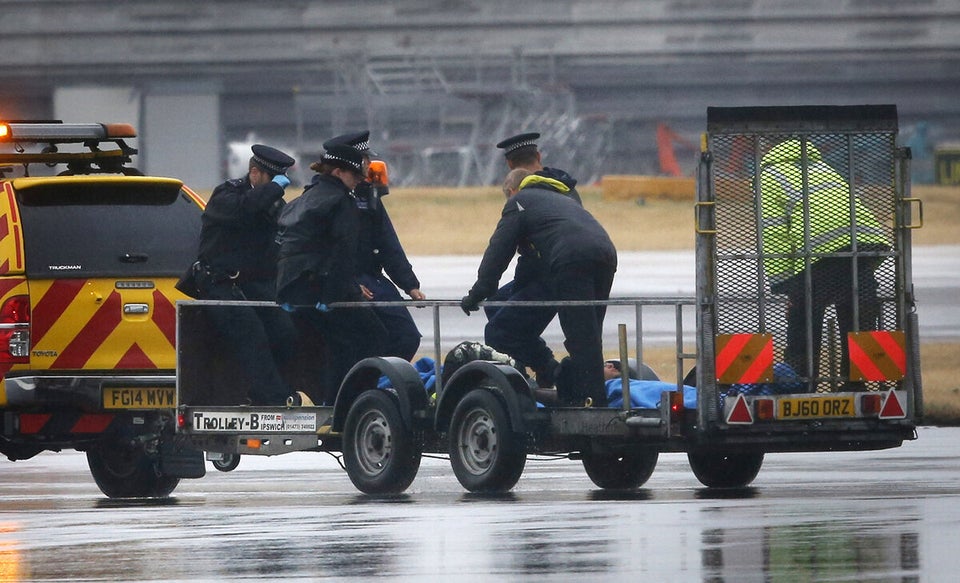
<point>379,452</point>
<point>716,469</point>
<point>485,452</point>
<point>627,471</point>
<point>121,471</point>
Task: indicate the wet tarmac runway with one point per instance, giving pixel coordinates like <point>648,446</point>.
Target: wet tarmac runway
<point>887,515</point>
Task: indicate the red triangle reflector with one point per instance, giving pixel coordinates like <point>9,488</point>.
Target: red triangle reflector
<point>892,409</point>
<point>740,412</point>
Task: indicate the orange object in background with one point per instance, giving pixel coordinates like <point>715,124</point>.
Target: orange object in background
<point>377,173</point>
<point>666,138</point>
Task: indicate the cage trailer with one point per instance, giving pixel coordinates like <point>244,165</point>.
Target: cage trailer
<point>827,361</point>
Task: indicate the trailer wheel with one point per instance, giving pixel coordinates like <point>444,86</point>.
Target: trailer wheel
<point>485,452</point>
<point>627,471</point>
<point>716,469</point>
<point>227,462</point>
<point>380,454</point>
<point>121,471</point>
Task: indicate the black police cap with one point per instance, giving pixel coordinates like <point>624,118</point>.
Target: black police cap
<point>270,159</point>
<point>518,141</point>
<point>359,140</point>
<point>343,156</point>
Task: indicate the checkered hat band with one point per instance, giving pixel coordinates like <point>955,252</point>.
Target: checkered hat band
<point>269,166</point>
<point>519,145</point>
<point>339,159</point>
<point>362,146</point>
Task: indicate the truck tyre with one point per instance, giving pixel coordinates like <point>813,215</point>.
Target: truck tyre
<point>716,469</point>
<point>485,452</point>
<point>379,452</point>
<point>226,462</point>
<point>627,471</point>
<point>128,472</point>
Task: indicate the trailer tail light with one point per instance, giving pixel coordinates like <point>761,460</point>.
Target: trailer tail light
<point>870,404</point>
<point>4,131</point>
<point>763,409</point>
<point>15,330</point>
<point>676,406</point>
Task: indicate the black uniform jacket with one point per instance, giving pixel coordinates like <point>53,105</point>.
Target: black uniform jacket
<point>380,248</point>
<point>318,245</point>
<point>558,228</point>
<point>239,228</point>
<point>530,266</point>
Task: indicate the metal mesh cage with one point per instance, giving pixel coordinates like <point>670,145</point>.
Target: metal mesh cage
<point>806,248</point>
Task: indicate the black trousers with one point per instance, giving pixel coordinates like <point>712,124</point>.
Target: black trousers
<point>261,339</point>
<point>350,335</point>
<point>516,330</point>
<point>403,337</point>
<point>583,329</point>
<point>832,280</point>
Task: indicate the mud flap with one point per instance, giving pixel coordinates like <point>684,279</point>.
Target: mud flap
<point>179,461</point>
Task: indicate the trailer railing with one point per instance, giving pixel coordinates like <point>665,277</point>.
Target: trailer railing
<point>641,305</point>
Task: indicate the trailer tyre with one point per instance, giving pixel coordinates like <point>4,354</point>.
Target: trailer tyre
<point>227,462</point>
<point>612,471</point>
<point>716,469</point>
<point>379,452</point>
<point>128,472</point>
<point>485,452</point>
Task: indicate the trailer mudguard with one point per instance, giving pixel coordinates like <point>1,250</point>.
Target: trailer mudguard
<point>365,375</point>
<point>504,381</point>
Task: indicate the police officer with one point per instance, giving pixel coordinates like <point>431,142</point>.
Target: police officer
<point>852,235</point>
<point>580,260</point>
<point>521,151</point>
<point>318,264</point>
<point>381,256</point>
<point>530,281</point>
<point>238,261</point>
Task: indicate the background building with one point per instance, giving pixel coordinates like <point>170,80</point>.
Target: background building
<point>440,81</point>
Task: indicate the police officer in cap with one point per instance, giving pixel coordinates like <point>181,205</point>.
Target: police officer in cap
<point>530,281</point>
<point>318,264</point>
<point>521,151</point>
<point>580,260</point>
<point>238,261</point>
<point>381,256</point>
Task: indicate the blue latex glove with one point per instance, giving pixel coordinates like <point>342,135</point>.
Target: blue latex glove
<point>282,180</point>
<point>322,307</point>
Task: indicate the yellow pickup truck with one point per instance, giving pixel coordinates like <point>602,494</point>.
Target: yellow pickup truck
<point>90,250</point>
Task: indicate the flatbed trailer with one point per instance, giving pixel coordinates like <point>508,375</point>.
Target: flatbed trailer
<point>485,416</point>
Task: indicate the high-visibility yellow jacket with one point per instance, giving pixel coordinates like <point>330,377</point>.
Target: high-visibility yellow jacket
<point>835,212</point>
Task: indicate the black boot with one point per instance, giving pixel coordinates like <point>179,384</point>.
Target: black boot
<point>547,376</point>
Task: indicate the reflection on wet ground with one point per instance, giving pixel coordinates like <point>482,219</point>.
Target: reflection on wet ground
<point>877,516</point>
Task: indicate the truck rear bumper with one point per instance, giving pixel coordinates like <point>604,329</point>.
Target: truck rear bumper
<point>80,391</point>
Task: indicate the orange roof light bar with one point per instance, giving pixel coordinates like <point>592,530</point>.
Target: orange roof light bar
<point>68,132</point>
<point>120,130</point>
<point>4,131</point>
